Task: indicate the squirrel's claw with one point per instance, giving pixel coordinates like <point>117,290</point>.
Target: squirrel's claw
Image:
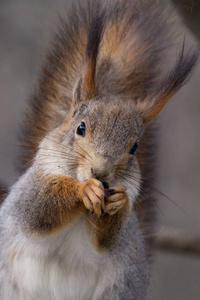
<point>92,194</point>
<point>116,199</point>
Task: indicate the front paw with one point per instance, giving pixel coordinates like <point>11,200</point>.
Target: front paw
<point>92,194</point>
<point>116,199</point>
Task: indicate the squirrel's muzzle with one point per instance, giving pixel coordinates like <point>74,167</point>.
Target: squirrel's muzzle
<point>100,174</point>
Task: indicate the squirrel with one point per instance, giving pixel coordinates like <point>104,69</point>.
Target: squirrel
<point>78,223</point>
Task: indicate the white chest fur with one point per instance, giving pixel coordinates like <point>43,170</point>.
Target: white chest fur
<point>65,266</point>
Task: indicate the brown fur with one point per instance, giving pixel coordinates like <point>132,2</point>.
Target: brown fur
<point>99,90</point>
<point>104,232</point>
<point>55,206</point>
<point>103,54</point>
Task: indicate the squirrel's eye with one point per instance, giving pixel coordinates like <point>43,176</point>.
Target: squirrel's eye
<point>134,148</point>
<point>81,129</point>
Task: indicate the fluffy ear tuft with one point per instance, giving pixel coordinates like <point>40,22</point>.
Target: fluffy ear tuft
<point>85,88</point>
<point>173,82</point>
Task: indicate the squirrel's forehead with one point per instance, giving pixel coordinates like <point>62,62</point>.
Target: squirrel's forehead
<point>114,138</point>
<point>116,119</point>
<point>118,126</point>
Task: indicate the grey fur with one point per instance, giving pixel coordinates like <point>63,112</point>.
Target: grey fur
<point>103,70</point>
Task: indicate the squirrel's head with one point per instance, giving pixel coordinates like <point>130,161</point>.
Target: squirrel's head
<point>102,131</point>
<point>106,136</point>
<point>107,128</point>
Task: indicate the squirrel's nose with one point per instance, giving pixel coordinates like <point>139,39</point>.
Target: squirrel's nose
<point>99,174</point>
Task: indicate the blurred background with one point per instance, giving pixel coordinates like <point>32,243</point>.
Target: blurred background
<point>25,30</point>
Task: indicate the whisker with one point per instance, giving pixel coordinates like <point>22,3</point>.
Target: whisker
<point>56,156</point>
<point>67,146</point>
<point>76,144</point>
<point>55,150</point>
<point>143,183</point>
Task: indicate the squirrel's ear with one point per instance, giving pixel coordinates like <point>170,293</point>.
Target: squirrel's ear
<point>172,83</point>
<point>77,91</point>
<point>85,89</point>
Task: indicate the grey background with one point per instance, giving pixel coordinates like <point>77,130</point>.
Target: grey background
<point>25,27</point>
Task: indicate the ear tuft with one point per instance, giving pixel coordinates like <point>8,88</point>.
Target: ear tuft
<point>85,88</point>
<point>92,48</point>
<point>179,75</point>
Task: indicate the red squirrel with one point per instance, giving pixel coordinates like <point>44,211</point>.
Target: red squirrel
<point>78,223</point>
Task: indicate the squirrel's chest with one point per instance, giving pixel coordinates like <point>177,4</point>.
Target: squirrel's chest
<point>72,269</point>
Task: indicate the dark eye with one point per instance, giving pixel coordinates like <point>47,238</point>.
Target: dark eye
<point>134,148</point>
<point>81,129</point>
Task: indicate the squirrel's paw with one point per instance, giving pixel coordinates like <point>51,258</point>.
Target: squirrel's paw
<point>116,199</point>
<point>92,194</point>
